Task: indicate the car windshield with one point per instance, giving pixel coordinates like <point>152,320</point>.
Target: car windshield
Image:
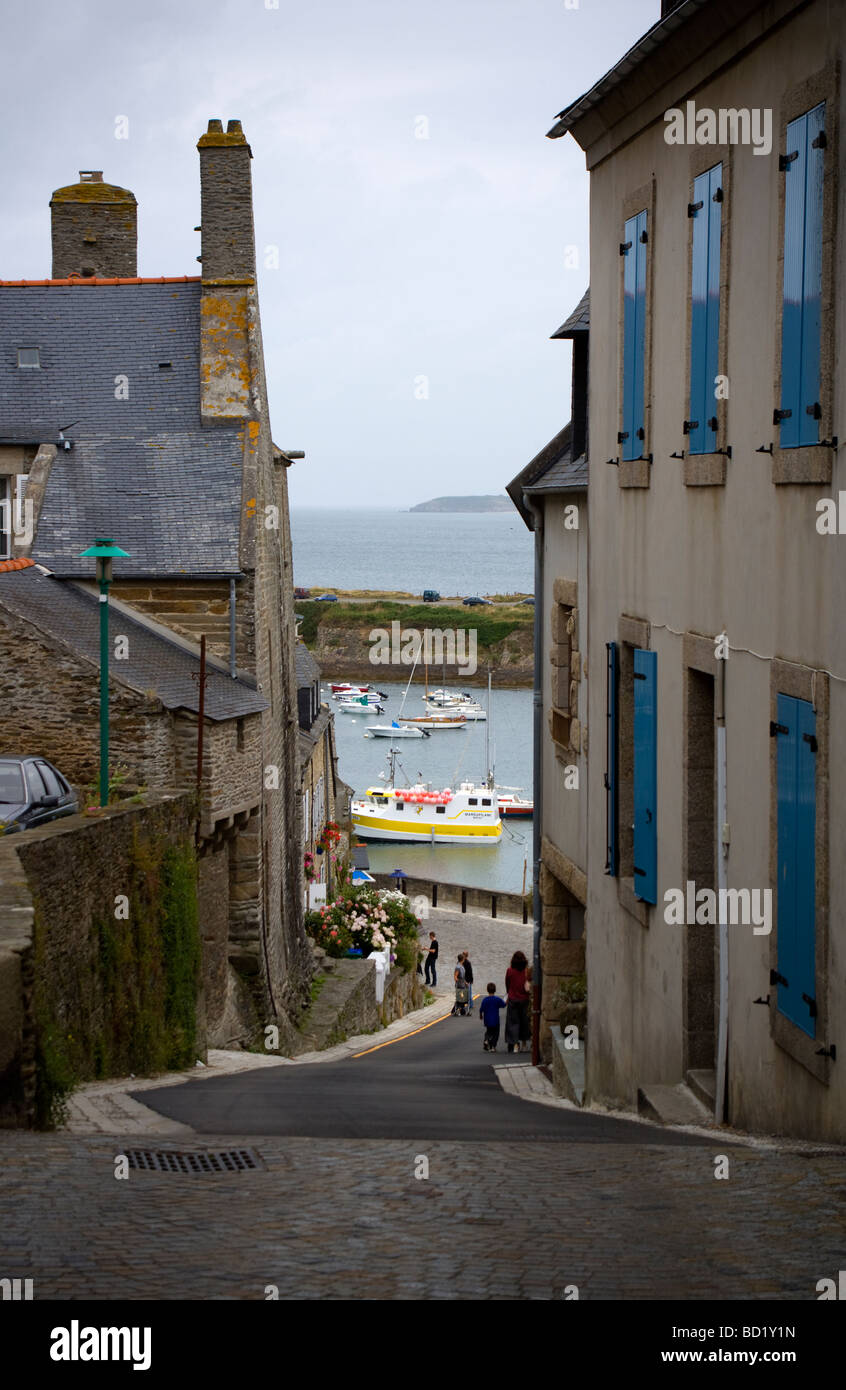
<point>11,783</point>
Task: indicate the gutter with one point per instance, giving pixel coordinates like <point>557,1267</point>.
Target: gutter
<point>536,512</point>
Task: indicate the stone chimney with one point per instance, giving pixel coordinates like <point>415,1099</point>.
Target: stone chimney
<point>95,229</point>
<point>228,236</point>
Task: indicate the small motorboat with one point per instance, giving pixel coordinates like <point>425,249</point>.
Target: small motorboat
<point>511,806</point>
<point>395,730</point>
<point>361,707</point>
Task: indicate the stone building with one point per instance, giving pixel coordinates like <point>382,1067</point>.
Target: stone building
<point>137,409</point>
<point>715,652</point>
<point>322,792</point>
<point>551,495</point>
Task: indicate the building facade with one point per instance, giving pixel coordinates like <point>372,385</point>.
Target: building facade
<point>716,577</point>
<point>137,409</point>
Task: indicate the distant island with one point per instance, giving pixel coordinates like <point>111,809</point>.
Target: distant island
<point>465,504</point>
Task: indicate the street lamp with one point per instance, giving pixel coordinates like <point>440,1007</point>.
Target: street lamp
<point>103,550</point>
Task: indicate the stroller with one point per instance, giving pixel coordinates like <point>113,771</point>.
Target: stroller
<point>462,1000</point>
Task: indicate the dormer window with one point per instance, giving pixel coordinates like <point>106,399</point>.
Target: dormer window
<point>29,357</point>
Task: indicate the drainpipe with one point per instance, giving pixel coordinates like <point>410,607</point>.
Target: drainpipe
<point>232,628</point>
<point>537,780</point>
<point>722,866</point>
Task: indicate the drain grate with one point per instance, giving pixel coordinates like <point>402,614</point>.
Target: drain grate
<point>206,1161</point>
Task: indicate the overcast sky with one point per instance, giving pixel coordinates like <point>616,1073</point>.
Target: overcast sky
<point>399,258</point>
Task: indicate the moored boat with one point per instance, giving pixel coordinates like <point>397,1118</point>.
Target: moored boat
<point>420,815</point>
<point>396,730</point>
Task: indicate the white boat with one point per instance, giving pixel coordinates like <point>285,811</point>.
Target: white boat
<point>470,710</point>
<point>396,731</point>
<point>511,805</point>
<point>419,815</point>
<point>368,707</point>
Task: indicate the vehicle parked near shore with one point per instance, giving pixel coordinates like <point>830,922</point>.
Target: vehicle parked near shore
<point>32,792</point>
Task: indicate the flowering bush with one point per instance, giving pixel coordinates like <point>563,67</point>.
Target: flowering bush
<point>308,868</point>
<point>366,919</point>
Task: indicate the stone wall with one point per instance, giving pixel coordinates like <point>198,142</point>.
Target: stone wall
<point>100,952</point>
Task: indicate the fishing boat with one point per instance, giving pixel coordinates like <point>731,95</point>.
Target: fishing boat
<point>420,815</point>
<point>395,730</point>
<point>361,707</point>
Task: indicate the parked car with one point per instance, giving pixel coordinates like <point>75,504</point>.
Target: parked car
<point>431,596</point>
<point>327,598</point>
<point>530,601</point>
<point>475,602</point>
<point>302,593</point>
<point>32,792</point>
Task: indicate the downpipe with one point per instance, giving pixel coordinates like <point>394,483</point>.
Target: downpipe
<point>722,875</point>
<point>537,783</point>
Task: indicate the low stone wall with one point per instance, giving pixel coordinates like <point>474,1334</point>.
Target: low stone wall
<point>346,1004</point>
<point>457,898</point>
<point>100,952</point>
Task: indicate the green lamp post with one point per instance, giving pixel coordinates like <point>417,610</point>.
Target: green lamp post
<point>104,550</point>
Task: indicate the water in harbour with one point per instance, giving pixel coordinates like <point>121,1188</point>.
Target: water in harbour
<point>445,759</point>
<point>455,553</point>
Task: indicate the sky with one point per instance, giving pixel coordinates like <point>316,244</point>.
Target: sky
<point>418,237</point>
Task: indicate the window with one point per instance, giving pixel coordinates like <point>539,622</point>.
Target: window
<point>796,836</point>
<point>5,518</point>
<point>611,679</point>
<point>34,784</point>
<point>803,165</point>
<point>564,659</point>
<point>633,251</point>
<point>29,357</point>
<point>49,778</point>
<point>645,847</point>
<point>440,810</point>
<point>472,801</point>
<point>486,801</point>
<point>400,806</point>
<point>706,211</point>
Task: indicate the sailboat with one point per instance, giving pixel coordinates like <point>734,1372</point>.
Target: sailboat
<point>435,718</point>
<point>510,804</point>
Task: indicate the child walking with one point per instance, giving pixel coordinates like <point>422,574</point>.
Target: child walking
<point>489,1011</point>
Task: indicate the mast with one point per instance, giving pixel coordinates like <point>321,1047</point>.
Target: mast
<point>489,776</point>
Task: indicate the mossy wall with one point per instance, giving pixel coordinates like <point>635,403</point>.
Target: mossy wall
<point>116,946</point>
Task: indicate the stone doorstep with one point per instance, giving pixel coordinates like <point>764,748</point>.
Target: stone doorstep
<point>527,1082</point>
<point>568,1068</point>
<point>672,1105</point>
<point>105,1107</point>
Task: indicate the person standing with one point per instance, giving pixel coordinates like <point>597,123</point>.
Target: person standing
<point>468,975</point>
<point>460,987</point>
<point>489,1011</point>
<point>518,1029</point>
<point>432,960</point>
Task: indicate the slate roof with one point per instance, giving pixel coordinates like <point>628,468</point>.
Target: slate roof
<point>70,615</point>
<point>644,51</point>
<point>307,668</point>
<point>579,320</point>
<point>555,454</point>
<point>143,471</point>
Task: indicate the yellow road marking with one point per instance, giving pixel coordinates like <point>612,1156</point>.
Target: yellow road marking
<point>403,1036</point>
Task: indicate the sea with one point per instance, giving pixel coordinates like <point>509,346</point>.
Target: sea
<point>454,552</point>
<point>445,759</point>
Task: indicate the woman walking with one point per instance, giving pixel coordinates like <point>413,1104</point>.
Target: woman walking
<point>518,1030</point>
<point>461,993</point>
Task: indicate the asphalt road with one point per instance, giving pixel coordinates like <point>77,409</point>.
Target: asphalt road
<point>436,1084</point>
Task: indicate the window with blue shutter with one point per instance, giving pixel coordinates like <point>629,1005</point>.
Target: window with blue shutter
<point>706,211</point>
<point>633,250</point>
<point>611,720</point>
<point>645,775</point>
<point>803,166</point>
<point>796,791</point>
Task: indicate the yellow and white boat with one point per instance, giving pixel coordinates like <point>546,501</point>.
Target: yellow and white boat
<point>419,815</point>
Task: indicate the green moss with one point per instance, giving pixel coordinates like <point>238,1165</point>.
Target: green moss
<point>131,1006</point>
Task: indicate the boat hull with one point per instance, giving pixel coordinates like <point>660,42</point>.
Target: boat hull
<point>478,836</point>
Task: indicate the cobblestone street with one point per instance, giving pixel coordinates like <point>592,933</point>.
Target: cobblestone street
<point>339,1218</point>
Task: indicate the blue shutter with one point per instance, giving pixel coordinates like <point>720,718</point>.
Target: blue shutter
<point>611,759</point>
<point>634,335</point>
<point>796,791</point>
<point>645,775</point>
<point>705,309</point>
<point>801,320</point>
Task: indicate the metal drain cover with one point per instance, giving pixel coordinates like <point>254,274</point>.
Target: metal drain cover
<point>204,1161</point>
